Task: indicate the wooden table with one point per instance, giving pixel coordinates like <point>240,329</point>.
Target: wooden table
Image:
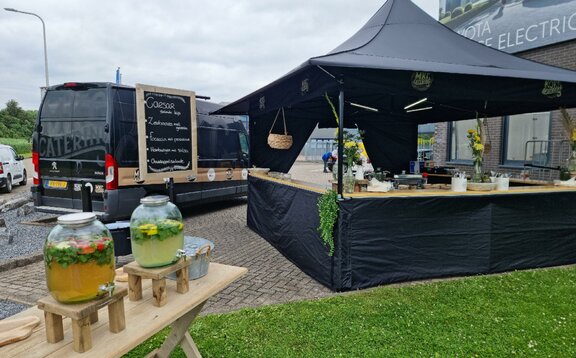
<point>143,320</point>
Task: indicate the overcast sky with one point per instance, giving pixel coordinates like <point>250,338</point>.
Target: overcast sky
<point>222,49</point>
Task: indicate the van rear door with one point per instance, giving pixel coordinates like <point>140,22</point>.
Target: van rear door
<point>72,138</point>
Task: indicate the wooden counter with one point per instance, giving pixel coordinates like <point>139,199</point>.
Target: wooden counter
<point>446,178</point>
<point>531,187</point>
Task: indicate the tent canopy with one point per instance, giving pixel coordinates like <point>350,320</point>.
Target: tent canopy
<point>401,56</point>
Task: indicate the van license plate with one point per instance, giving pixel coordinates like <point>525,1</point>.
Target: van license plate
<point>56,184</point>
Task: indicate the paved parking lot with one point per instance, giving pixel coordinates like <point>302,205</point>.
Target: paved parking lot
<point>271,278</point>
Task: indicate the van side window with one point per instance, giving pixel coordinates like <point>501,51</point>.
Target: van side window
<point>125,129</point>
<point>243,142</point>
<point>218,147</point>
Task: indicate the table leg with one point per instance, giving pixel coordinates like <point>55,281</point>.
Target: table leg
<point>94,317</point>
<point>179,335</point>
<point>116,316</point>
<point>134,287</point>
<point>159,292</point>
<point>182,283</point>
<point>189,347</point>
<point>54,327</point>
<point>82,334</point>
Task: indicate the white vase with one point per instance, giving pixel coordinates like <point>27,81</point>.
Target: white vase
<point>348,181</point>
<point>359,172</point>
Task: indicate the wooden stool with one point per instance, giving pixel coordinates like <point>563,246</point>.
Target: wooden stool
<point>158,275</point>
<point>82,315</point>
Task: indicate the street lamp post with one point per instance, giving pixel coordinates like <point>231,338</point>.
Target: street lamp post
<point>44,33</point>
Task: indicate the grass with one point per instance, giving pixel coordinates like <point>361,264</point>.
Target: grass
<point>22,146</point>
<point>525,314</point>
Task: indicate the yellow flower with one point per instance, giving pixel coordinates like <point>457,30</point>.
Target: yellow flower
<point>349,144</point>
<point>478,146</point>
<point>471,131</point>
<point>477,138</point>
<point>574,135</point>
<point>180,226</point>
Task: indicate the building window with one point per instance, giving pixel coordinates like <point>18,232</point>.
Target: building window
<point>522,129</point>
<point>459,149</point>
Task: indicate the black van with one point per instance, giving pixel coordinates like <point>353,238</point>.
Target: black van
<point>86,136</point>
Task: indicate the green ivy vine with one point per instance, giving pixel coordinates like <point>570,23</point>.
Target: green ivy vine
<point>328,211</point>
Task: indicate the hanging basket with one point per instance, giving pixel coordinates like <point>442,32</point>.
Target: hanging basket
<point>279,141</point>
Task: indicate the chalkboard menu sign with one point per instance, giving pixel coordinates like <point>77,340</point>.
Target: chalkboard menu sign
<point>166,133</point>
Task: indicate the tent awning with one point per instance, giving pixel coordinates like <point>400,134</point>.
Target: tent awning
<point>401,37</point>
<point>402,56</point>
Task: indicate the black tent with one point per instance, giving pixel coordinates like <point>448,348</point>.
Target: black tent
<point>401,56</point>
<point>402,69</point>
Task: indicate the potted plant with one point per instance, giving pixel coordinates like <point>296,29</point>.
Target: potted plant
<point>476,142</point>
<point>328,212</point>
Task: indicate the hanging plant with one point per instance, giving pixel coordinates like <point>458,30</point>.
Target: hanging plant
<point>328,211</point>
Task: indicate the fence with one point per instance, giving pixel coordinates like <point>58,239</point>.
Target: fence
<point>543,158</point>
<point>315,148</point>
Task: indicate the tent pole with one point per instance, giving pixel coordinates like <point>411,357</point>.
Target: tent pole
<point>340,140</point>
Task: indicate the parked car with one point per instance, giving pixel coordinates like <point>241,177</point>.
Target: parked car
<point>12,169</point>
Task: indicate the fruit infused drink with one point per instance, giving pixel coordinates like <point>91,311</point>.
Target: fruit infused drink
<point>157,243</point>
<point>74,273</point>
<point>79,259</point>
<point>156,232</point>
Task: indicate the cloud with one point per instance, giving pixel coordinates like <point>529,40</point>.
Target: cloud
<point>222,49</point>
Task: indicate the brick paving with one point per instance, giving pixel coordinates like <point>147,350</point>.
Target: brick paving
<point>271,278</point>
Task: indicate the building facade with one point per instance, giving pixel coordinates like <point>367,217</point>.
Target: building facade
<point>531,144</point>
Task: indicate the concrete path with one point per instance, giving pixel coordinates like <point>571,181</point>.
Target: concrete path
<point>271,278</point>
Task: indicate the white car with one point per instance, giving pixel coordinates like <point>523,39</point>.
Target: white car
<point>12,169</point>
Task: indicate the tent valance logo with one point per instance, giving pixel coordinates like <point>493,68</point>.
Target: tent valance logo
<point>305,86</point>
<point>422,81</point>
<point>262,103</point>
<point>552,89</point>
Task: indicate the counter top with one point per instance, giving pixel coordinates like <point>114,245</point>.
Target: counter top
<point>532,187</point>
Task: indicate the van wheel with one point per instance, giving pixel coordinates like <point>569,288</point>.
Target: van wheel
<point>8,187</point>
<point>24,178</point>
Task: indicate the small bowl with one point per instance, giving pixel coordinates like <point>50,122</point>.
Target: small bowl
<point>480,186</point>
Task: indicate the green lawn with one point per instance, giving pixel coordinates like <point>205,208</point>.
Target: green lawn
<point>524,314</point>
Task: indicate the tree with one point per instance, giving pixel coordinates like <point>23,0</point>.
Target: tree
<point>13,109</point>
<point>16,122</point>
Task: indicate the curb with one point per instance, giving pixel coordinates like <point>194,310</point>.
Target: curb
<point>21,261</point>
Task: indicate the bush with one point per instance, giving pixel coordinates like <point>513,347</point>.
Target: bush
<point>468,7</point>
<point>457,12</point>
<point>16,122</point>
<point>20,145</point>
